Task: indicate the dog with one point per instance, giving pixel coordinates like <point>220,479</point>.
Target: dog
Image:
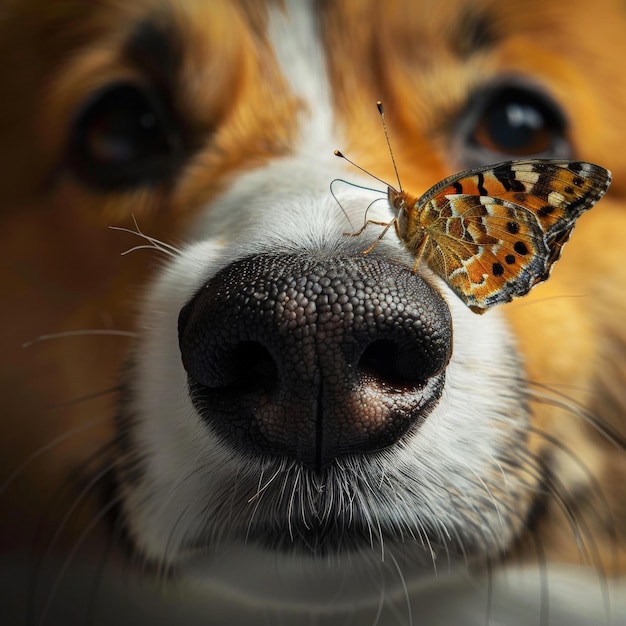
<point>223,396</point>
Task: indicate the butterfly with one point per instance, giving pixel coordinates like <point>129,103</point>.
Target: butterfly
<point>493,233</point>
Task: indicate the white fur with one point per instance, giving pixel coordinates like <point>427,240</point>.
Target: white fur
<point>297,48</point>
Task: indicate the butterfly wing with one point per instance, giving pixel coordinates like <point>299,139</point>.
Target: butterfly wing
<point>557,191</point>
<point>487,249</point>
<point>539,199</point>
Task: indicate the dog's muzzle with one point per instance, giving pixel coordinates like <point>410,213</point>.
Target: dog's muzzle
<point>315,358</point>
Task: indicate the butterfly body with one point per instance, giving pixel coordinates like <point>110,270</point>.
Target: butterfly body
<point>493,233</point>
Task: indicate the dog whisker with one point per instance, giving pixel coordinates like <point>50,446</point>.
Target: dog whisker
<point>549,395</point>
<point>155,244</point>
<point>256,498</point>
<point>409,611</point>
<point>597,489</point>
<point>80,333</point>
<point>581,533</point>
<point>144,247</point>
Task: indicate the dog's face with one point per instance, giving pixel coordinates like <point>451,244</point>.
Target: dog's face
<point>284,396</point>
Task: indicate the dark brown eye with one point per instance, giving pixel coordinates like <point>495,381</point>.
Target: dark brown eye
<point>123,137</point>
<point>509,122</point>
<point>517,122</point>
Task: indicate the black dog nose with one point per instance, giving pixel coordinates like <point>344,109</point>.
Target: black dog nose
<point>315,358</point>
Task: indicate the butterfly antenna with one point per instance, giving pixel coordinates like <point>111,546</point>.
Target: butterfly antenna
<point>341,155</point>
<point>381,110</point>
<point>332,193</point>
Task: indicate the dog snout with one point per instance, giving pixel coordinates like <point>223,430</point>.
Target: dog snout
<point>314,359</point>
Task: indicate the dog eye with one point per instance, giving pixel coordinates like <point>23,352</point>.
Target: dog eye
<point>123,137</point>
<point>511,122</point>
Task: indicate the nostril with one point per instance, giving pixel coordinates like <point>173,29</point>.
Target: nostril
<point>250,367</point>
<point>395,365</point>
<point>244,366</point>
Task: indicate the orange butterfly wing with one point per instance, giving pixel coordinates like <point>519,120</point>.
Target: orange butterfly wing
<point>501,253</point>
<point>493,233</point>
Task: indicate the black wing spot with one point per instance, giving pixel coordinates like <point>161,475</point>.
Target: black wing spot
<point>546,210</point>
<point>512,227</point>
<point>521,248</point>
<point>497,269</point>
<point>510,259</point>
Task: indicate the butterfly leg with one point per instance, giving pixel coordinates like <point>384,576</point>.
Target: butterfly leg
<point>419,252</point>
<point>387,226</point>
<point>358,232</point>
